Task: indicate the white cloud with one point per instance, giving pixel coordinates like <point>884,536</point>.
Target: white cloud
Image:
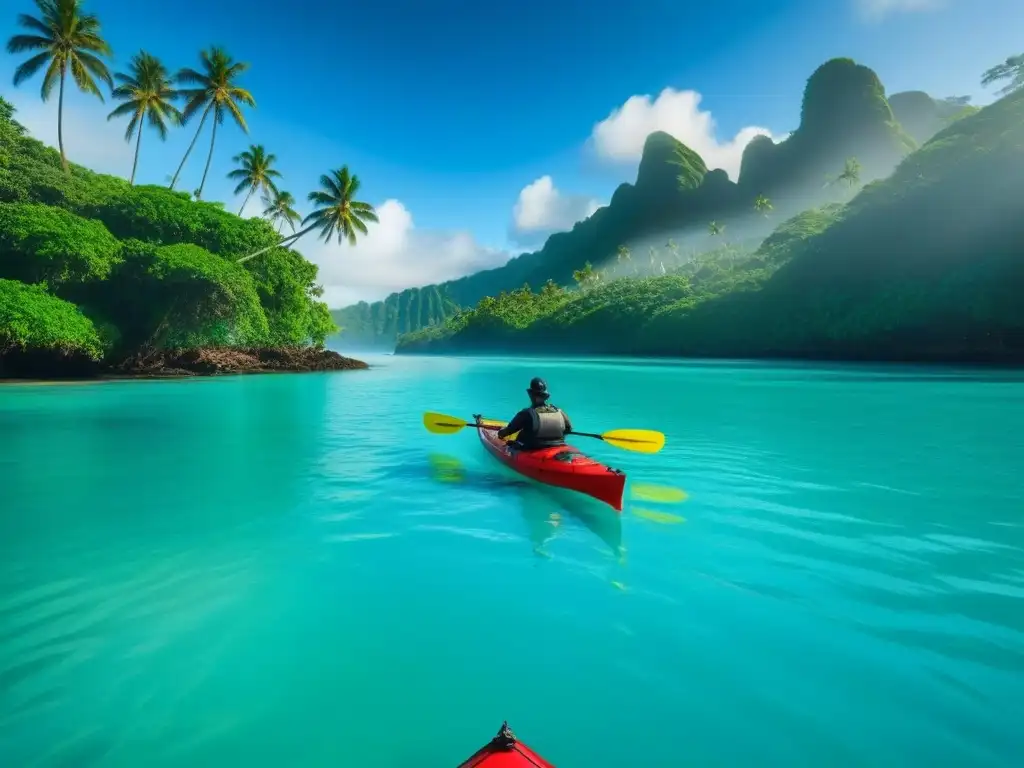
<point>878,9</point>
<point>395,255</point>
<point>541,210</point>
<point>620,136</point>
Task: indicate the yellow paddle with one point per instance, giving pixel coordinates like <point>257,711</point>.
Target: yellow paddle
<point>639,440</point>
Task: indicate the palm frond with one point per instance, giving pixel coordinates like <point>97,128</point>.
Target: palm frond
<point>28,68</point>
<point>23,43</point>
<point>188,76</point>
<point>242,95</point>
<point>193,106</point>
<point>331,187</point>
<point>132,124</point>
<point>51,78</point>
<point>236,113</point>
<point>96,67</point>
<point>157,121</point>
<point>83,79</point>
<point>320,198</point>
<point>121,110</point>
<point>30,22</point>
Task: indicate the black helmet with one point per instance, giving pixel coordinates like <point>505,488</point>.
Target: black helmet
<point>538,388</point>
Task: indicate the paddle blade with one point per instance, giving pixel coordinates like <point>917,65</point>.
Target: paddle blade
<point>639,440</point>
<point>440,424</point>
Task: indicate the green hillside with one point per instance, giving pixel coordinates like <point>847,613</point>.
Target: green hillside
<point>927,264</point>
<point>844,114</point>
<point>922,116</point>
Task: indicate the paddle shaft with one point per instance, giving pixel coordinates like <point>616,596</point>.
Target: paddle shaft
<point>578,434</point>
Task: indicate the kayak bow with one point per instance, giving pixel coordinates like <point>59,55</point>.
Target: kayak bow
<point>505,751</point>
<point>563,467</point>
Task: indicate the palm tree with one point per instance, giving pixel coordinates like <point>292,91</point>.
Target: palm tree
<point>255,172</point>
<point>62,38</point>
<point>586,276</point>
<point>337,214</point>
<point>1012,69</point>
<point>851,172</point>
<point>623,256</point>
<point>715,229</point>
<point>673,250</point>
<point>280,208</point>
<point>146,92</point>
<point>762,205</point>
<point>213,89</point>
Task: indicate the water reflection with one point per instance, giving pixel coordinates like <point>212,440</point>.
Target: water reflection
<point>655,516</point>
<point>545,510</point>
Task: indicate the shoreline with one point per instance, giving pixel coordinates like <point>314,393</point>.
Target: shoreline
<point>200,362</point>
<point>1003,361</point>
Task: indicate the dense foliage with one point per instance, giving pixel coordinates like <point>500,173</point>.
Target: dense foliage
<point>844,114</point>
<point>926,264</point>
<point>147,265</point>
<point>32,319</point>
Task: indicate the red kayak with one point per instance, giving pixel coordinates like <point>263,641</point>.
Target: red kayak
<point>563,467</point>
<point>505,751</point>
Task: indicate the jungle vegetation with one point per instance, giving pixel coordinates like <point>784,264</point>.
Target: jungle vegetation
<point>849,134</point>
<point>95,267</point>
<point>926,264</point>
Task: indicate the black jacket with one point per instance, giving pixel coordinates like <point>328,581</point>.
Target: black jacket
<point>522,423</point>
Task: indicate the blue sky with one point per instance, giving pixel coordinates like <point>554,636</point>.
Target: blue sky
<point>448,111</point>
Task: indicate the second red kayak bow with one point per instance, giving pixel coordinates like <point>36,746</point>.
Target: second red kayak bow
<point>505,751</point>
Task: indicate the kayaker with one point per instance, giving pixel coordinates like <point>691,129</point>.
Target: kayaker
<point>541,425</point>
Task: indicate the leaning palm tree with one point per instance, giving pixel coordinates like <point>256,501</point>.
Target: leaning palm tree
<point>1012,69</point>
<point>214,89</point>
<point>337,212</point>
<point>762,205</point>
<point>715,229</point>
<point>254,172</point>
<point>146,93</point>
<point>280,209</point>
<point>62,38</point>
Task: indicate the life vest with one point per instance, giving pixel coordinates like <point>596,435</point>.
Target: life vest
<point>548,424</point>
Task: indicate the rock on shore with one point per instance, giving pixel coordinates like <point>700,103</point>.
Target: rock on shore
<point>44,365</point>
<point>213,361</point>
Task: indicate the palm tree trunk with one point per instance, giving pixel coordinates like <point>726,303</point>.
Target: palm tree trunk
<point>188,151</point>
<point>246,201</point>
<point>290,240</point>
<point>60,119</point>
<point>209,157</point>
<point>135,163</point>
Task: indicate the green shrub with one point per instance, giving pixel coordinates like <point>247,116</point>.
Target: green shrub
<point>32,319</point>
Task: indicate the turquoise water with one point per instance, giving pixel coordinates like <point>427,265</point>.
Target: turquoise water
<point>288,570</point>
